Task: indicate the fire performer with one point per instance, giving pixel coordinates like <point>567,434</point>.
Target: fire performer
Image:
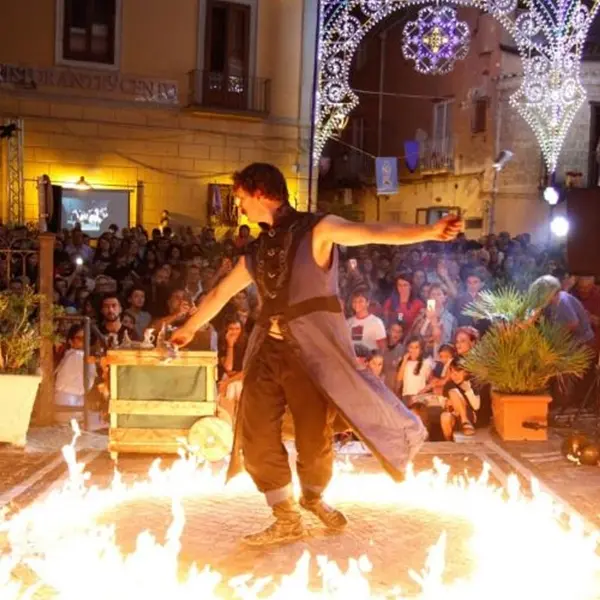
<point>300,353</point>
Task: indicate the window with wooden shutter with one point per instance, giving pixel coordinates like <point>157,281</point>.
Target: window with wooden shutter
<point>89,31</point>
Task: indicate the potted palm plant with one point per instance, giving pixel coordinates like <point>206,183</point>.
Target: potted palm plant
<point>519,356</point>
<point>19,381</point>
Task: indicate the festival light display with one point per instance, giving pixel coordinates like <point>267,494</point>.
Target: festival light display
<point>436,40</point>
<point>549,35</point>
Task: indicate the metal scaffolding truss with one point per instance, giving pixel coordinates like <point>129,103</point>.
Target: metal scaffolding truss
<point>14,160</point>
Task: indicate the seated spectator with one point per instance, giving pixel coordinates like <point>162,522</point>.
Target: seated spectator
<point>473,285</point>
<point>111,330</point>
<point>69,388</point>
<point>232,348</point>
<point>375,363</point>
<point>402,305</point>
<point>366,329</point>
<point>393,354</point>
<point>136,300</point>
<point>464,339</point>
<point>414,370</point>
<point>435,324</point>
<point>129,323</point>
<point>179,309</point>
<point>193,285</point>
<point>243,238</point>
<point>462,403</point>
<point>440,374</point>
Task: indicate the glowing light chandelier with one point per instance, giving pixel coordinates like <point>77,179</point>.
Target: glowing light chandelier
<point>436,40</point>
<point>549,35</point>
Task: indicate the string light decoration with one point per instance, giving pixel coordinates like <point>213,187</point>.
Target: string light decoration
<point>549,35</point>
<point>436,40</point>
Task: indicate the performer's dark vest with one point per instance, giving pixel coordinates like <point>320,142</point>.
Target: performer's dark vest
<point>271,259</point>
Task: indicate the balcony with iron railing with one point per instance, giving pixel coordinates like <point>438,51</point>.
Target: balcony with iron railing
<point>436,156</point>
<point>212,91</point>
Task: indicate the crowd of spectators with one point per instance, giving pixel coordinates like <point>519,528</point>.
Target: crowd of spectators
<point>404,304</point>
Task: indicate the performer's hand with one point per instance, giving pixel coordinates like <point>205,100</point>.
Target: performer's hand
<point>446,229</point>
<point>181,337</point>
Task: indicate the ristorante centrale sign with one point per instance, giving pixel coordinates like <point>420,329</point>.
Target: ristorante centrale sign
<point>81,82</point>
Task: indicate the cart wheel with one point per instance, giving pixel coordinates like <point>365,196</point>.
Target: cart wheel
<point>213,438</point>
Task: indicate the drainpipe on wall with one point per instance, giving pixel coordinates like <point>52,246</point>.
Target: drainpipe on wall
<point>382,38</point>
<point>491,204</point>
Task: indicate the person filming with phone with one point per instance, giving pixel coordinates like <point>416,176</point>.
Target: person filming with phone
<point>436,324</point>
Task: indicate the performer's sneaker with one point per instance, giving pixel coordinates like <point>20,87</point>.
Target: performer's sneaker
<point>287,528</point>
<point>329,516</point>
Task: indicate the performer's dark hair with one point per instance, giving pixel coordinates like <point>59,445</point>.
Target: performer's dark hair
<point>264,178</point>
<point>458,364</point>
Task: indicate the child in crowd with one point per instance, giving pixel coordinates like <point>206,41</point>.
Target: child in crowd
<point>375,363</point>
<point>462,403</point>
<point>414,370</point>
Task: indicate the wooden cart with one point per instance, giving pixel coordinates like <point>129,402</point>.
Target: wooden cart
<point>157,406</point>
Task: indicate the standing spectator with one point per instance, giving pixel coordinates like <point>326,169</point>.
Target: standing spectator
<point>588,293</point>
<point>366,329</point>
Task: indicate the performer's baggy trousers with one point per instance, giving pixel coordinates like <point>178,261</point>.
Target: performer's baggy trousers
<point>274,380</point>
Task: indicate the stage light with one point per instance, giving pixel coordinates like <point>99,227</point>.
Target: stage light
<point>559,226</point>
<point>502,159</point>
<point>79,261</point>
<point>551,196</point>
<point>82,184</point>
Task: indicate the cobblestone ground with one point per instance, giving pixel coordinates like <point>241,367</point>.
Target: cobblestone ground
<point>395,539</point>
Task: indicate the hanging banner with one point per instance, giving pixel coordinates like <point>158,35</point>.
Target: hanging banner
<point>386,170</point>
<point>411,154</point>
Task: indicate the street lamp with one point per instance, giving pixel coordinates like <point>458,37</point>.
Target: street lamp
<point>501,161</point>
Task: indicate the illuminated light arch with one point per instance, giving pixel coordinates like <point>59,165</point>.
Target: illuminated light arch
<point>549,35</point>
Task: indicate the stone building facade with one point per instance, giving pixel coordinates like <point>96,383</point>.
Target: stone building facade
<point>477,124</point>
<point>159,98</point>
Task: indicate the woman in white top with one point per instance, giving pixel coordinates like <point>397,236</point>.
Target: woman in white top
<point>414,370</point>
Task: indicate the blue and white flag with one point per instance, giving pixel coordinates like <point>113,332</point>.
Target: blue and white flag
<point>386,170</point>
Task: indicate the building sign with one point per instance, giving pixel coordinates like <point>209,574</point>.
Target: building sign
<point>386,170</point>
<point>106,84</point>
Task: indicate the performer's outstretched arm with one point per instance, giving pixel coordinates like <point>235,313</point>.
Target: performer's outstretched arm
<point>333,229</point>
<point>211,304</point>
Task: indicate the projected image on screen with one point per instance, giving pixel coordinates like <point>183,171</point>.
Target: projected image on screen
<point>95,210</point>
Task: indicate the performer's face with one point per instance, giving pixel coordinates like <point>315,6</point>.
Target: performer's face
<point>251,205</point>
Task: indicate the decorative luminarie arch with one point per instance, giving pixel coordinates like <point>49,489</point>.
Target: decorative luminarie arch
<point>549,35</point>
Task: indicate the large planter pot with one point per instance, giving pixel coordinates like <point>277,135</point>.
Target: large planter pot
<point>17,397</point>
<point>512,410</point>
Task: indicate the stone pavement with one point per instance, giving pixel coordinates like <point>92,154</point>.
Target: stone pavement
<point>394,540</point>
